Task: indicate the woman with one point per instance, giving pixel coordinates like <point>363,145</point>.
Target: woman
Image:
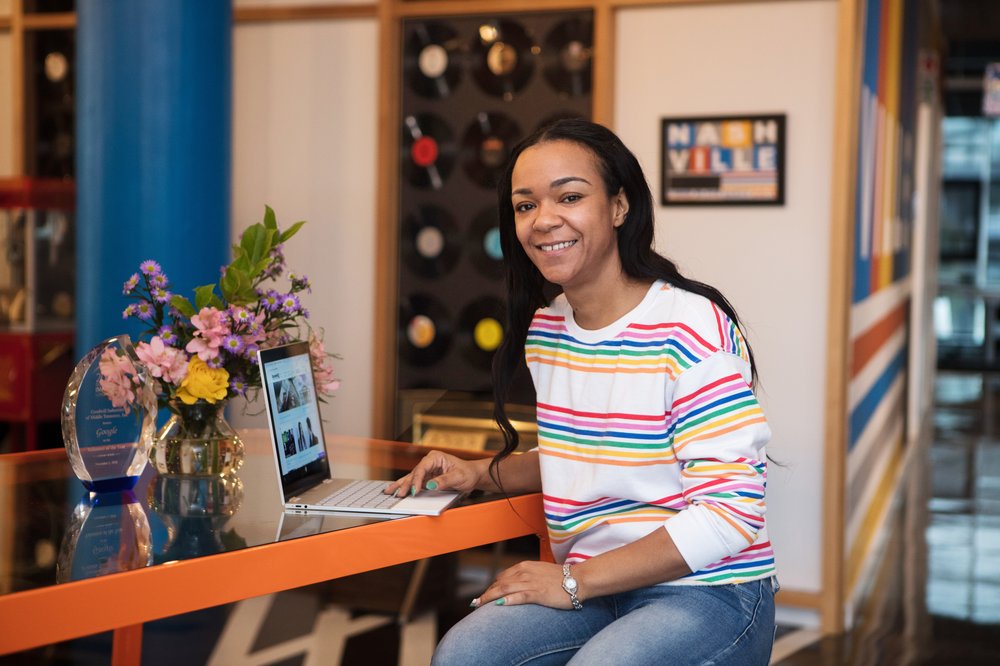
<point>651,443</point>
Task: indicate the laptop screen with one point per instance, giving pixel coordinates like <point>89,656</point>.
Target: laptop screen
<point>293,415</point>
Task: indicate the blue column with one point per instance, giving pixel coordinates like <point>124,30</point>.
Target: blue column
<point>154,90</point>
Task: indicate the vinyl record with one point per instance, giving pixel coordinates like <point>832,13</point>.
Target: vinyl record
<point>424,329</point>
<point>429,245</point>
<point>505,58</point>
<point>486,145</point>
<point>481,325</point>
<point>568,57</point>
<point>483,243</point>
<point>428,152</point>
<point>429,59</point>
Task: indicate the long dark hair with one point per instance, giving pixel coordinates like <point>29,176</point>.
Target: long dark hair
<point>619,169</point>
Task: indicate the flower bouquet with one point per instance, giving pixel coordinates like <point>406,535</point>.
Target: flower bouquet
<point>203,353</point>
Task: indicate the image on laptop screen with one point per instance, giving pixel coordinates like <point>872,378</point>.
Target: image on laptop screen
<point>286,374</point>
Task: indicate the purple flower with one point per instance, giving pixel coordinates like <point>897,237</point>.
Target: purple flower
<point>240,315</point>
<point>167,335</point>
<point>144,310</point>
<point>150,268</point>
<point>215,362</point>
<point>290,304</point>
<point>250,350</point>
<point>238,385</point>
<point>277,265</point>
<point>129,311</point>
<point>131,284</point>
<point>232,344</point>
<point>161,295</point>
<point>271,300</point>
<point>300,283</point>
<point>159,280</point>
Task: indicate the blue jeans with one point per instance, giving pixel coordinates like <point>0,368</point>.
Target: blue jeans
<point>679,625</point>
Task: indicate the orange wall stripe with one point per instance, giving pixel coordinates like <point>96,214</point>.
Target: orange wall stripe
<point>868,343</point>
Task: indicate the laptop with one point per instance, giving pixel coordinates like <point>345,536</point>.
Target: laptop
<point>300,452</point>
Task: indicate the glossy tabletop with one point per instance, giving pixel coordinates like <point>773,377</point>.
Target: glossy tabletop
<point>73,565</point>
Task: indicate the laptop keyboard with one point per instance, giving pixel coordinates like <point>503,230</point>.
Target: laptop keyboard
<point>362,495</point>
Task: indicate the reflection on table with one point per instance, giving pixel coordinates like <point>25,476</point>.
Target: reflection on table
<point>184,543</point>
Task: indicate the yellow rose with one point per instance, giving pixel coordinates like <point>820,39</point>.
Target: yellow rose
<point>209,384</point>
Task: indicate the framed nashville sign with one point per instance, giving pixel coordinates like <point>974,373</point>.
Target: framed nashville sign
<point>723,160</point>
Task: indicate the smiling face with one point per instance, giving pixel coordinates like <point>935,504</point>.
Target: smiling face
<point>564,218</point>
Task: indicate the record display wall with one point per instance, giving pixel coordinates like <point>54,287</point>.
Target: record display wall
<point>473,86</point>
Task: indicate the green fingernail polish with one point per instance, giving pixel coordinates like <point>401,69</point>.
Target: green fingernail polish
<point>432,485</point>
<point>500,602</point>
<point>413,491</point>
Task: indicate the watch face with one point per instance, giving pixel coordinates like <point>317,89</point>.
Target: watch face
<point>569,584</point>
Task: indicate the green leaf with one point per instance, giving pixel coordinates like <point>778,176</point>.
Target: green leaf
<point>183,306</point>
<point>269,220</point>
<point>229,282</point>
<point>216,302</point>
<point>257,242</point>
<point>238,288</point>
<point>241,263</point>
<point>261,266</point>
<point>245,296</point>
<point>203,296</point>
<point>288,233</point>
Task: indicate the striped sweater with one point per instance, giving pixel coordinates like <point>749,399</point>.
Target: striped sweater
<point>651,422</point>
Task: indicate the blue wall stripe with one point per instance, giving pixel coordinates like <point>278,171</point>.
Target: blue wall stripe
<point>862,413</point>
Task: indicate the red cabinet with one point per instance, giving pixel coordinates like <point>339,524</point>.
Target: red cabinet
<point>37,284</point>
<point>34,369</point>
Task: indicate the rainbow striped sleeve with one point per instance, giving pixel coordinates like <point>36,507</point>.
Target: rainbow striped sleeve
<point>718,431</point>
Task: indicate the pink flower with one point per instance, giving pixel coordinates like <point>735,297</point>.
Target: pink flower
<point>211,326</point>
<point>116,378</point>
<point>164,361</point>
<point>275,337</point>
<point>322,363</point>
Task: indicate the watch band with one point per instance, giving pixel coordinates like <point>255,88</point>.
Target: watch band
<point>571,587</point>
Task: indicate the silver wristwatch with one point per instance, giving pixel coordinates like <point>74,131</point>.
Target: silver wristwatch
<point>569,584</point>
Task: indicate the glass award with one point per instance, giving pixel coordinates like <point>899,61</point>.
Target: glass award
<point>109,416</point>
<point>108,533</point>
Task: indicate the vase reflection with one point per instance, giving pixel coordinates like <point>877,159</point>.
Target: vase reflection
<point>108,533</point>
<point>195,511</point>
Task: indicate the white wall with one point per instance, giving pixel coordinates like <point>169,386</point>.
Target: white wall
<point>771,262</point>
<point>6,104</point>
<point>304,142</point>
<point>305,139</point>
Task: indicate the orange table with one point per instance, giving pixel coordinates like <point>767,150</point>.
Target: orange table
<point>47,612</point>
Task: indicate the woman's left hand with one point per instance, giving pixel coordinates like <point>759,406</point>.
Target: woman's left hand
<point>527,583</point>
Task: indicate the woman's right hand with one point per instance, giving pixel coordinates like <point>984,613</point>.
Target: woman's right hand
<point>440,471</point>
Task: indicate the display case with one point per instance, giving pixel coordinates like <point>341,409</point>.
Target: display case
<point>37,288</point>
<point>37,254</point>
